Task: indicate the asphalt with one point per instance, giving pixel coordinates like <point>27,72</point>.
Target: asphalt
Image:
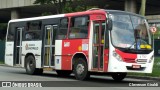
<point>128,76</point>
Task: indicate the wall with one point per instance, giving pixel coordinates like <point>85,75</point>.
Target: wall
<point>15,3</point>
<point>2,50</point>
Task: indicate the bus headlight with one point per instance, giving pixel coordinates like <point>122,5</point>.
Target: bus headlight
<point>117,56</point>
<point>151,59</point>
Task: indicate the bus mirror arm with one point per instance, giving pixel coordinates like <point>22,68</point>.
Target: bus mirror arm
<point>109,24</point>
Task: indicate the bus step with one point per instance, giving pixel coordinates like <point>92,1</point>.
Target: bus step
<point>17,65</point>
<point>48,69</point>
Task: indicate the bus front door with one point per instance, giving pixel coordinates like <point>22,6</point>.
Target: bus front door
<point>98,46</point>
<point>49,45</point>
<point>18,46</point>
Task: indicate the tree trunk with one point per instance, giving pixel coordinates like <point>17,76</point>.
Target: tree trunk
<point>143,7</point>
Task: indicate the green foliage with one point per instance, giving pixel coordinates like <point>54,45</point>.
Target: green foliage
<point>46,1</point>
<point>1,62</point>
<point>67,6</point>
<point>155,72</point>
<point>58,4</point>
<point>46,13</point>
<point>3,29</point>
<point>79,5</point>
<point>157,34</point>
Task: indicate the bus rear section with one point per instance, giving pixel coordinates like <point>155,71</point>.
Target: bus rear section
<point>93,41</point>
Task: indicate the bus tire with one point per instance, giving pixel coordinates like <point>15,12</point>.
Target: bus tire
<point>30,65</point>
<point>118,76</point>
<point>81,69</point>
<point>63,72</point>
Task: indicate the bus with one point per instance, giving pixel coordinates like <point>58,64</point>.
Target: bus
<point>94,41</point>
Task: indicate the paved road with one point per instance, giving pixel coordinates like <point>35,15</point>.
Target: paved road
<point>98,82</point>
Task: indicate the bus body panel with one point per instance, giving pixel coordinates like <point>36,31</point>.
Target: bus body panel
<point>90,47</point>
<point>86,13</point>
<point>32,47</point>
<point>69,48</point>
<point>106,60</point>
<point>58,53</point>
<point>9,53</point>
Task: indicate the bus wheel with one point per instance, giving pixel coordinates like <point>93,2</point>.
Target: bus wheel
<point>63,72</point>
<point>30,65</point>
<point>81,69</point>
<point>119,76</point>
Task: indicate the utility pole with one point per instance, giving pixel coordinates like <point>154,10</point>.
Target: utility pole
<point>143,7</point>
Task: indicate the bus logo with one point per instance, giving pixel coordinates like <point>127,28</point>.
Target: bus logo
<point>66,44</point>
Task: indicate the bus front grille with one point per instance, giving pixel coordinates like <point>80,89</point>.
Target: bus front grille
<point>129,60</point>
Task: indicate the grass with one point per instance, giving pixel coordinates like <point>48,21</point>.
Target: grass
<point>1,62</point>
<point>156,67</point>
<point>155,72</point>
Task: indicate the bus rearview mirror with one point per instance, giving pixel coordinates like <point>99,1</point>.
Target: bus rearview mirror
<point>109,26</point>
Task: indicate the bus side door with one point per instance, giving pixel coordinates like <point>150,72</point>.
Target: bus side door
<point>18,46</point>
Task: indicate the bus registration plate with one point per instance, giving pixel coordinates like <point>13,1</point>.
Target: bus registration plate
<point>136,66</point>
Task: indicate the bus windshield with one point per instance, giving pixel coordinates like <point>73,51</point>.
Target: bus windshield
<point>130,32</point>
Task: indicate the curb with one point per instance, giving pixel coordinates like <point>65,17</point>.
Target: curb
<point>10,66</point>
<point>2,65</point>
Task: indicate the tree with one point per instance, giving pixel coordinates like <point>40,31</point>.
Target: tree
<point>3,30</point>
<point>78,5</point>
<point>143,7</point>
<point>57,3</point>
<point>66,6</point>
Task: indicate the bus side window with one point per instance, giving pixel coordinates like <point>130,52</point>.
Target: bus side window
<point>11,32</point>
<point>79,27</point>
<point>62,33</point>
<point>33,30</point>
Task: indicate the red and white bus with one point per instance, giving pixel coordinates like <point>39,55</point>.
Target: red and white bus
<point>101,41</point>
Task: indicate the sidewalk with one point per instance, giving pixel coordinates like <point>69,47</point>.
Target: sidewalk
<point>144,77</point>
<point>2,65</point>
<point>10,66</point>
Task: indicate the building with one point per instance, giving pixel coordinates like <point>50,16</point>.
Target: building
<point>12,9</point>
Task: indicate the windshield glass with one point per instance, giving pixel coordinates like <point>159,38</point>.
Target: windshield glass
<point>130,31</point>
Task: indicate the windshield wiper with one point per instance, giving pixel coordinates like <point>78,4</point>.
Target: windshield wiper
<point>131,45</point>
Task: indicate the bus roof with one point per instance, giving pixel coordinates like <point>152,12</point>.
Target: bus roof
<point>118,11</point>
<point>59,15</point>
<point>73,14</point>
<point>37,18</point>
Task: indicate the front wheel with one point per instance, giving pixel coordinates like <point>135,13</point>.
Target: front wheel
<point>81,69</point>
<point>118,76</point>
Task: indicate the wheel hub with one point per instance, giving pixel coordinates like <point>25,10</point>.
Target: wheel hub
<point>30,63</point>
<point>80,69</point>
